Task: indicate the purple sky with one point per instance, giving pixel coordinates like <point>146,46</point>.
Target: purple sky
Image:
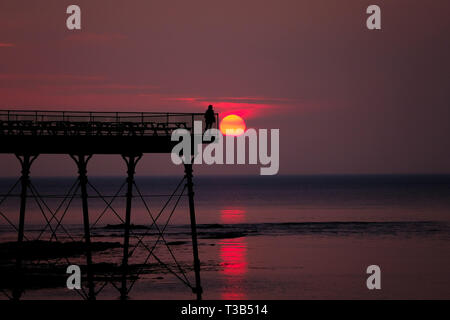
<point>346,99</point>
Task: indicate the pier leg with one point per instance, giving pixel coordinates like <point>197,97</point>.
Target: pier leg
<point>131,162</point>
<point>190,185</point>
<point>25,161</point>
<point>82,161</point>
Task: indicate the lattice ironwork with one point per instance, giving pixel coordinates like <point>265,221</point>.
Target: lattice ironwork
<point>121,279</point>
<point>27,134</point>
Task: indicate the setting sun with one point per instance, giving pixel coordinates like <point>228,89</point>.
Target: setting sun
<point>232,125</point>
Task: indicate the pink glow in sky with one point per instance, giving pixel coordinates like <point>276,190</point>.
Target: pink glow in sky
<point>346,100</point>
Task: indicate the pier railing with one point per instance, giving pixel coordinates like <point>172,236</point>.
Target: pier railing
<point>76,123</point>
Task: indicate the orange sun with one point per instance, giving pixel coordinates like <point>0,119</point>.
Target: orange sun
<point>232,125</point>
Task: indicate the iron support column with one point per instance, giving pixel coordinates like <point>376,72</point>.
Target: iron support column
<point>190,185</point>
<point>131,162</point>
<point>82,161</point>
<point>25,161</point>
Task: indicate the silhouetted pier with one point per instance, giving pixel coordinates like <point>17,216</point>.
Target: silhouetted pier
<point>81,135</point>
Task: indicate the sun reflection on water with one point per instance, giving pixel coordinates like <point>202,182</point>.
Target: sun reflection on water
<point>233,256</point>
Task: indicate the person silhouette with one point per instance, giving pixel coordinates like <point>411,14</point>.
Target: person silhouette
<point>210,117</point>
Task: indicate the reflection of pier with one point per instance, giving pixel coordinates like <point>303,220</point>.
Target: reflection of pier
<point>27,134</point>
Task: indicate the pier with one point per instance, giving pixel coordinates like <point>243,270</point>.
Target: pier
<point>82,135</point>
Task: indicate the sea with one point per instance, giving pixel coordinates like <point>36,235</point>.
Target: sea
<point>259,237</point>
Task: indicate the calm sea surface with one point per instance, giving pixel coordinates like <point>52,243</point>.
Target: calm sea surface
<point>283,237</point>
